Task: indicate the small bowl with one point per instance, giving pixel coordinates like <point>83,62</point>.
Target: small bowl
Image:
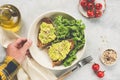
<point>83,12</point>
<point>109,57</point>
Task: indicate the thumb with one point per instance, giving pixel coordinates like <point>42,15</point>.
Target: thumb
<point>26,45</point>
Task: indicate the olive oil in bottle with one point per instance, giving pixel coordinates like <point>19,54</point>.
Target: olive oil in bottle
<point>10,18</point>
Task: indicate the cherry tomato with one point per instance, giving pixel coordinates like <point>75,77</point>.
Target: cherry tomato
<point>100,74</point>
<point>98,6</point>
<point>90,13</point>
<point>83,3</point>
<point>91,1</point>
<point>95,67</point>
<point>90,6</point>
<point>98,13</point>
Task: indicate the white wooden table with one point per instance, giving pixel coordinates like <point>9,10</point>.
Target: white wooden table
<point>101,34</point>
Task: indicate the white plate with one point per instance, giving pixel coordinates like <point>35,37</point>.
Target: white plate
<point>40,55</point>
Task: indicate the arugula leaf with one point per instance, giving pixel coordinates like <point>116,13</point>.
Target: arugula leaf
<point>70,29</point>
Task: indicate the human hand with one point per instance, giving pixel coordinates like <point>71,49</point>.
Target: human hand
<point>19,49</point>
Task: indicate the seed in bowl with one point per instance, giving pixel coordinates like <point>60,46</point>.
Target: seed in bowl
<point>109,57</point>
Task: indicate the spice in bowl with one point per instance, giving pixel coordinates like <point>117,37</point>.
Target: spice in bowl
<point>109,57</point>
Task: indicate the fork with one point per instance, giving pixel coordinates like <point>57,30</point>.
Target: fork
<point>80,64</point>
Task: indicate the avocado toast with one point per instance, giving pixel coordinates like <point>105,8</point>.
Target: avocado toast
<point>59,51</point>
<point>46,33</point>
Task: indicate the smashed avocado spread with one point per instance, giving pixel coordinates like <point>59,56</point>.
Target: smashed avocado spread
<point>47,33</point>
<point>59,51</point>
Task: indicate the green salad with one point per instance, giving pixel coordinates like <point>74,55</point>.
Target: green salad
<point>69,29</point>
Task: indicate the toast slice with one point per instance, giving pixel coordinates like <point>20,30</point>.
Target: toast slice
<point>59,51</point>
<point>45,36</point>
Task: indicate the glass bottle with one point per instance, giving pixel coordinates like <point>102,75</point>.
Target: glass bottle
<point>10,18</point>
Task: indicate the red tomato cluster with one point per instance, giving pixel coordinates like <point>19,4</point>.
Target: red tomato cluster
<point>96,68</point>
<point>93,9</point>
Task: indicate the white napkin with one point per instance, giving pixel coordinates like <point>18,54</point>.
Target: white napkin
<point>36,72</point>
<point>31,69</point>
